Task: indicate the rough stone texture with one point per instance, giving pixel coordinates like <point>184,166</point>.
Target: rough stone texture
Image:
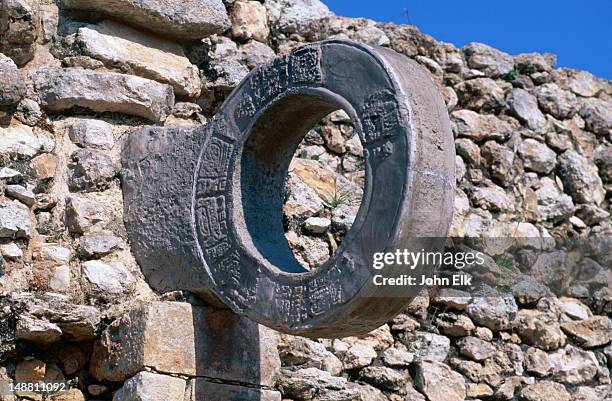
<point>487,59</point>
<point>557,102</point>
<point>93,170</point>
<point>108,279</point>
<point>493,310</point>
<point>148,386</point>
<point>90,133</point>
<point>580,178</point>
<point>15,220</point>
<point>439,383</point>
<point>525,107</point>
<point>12,89</point>
<point>478,127</point>
<point>597,114</point>
<point>64,89</point>
<point>23,141</point>
<point>539,329</point>
<point>572,365</point>
<point>176,338</point>
<point>537,156</point>
<point>590,333</point>
<point>140,54</point>
<point>19,22</point>
<point>249,21</point>
<point>186,20</point>
<point>299,16</point>
<point>545,391</point>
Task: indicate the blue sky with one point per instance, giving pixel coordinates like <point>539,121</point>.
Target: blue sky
<point>579,32</point>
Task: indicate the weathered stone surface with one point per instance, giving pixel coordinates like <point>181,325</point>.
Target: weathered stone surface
<point>539,329</point>
<point>177,338</point>
<point>478,127</point>
<point>141,54</point>
<point>553,203</point>
<point>22,141</point>
<point>82,213</point>
<point>99,243</point>
<point>21,193</point>
<point>383,377</point>
<point>64,89</point>
<point>191,19</point>
<point>307,384</point>
<point>397,358</point>
<point>302,16</point>
<point>545,391</point>
<point>203,390</point>
<point>11,251</point>
<point>481,94</point>
<point>492,198</point>
<point>12,89</point>
<point>439,383</point>
<point>77,322</point>
<point>499,159</point>
<point>44,166</point>
<point>597,114</point>
<point>249,21</point>
<point>487,59</point>
<point>148,386</point>
<point>93,170</point>
<point>493,310</point>
<point>572,365</point>
<point>300,351</point>
<point>19,22</point>
<point>38,331</point>
<point>108,279</point>
<point>589,333</point>
<point>580,178</point>
<point>590,393</point>
<point>317,225</point>
<point>429,346</point>
<point>90,133</point>
<point>535,62</point>
<point>525,107</point>
<point>537,156</point>
<point>358,356</point>
<point>475,348</point>
<point>15,221</point>
<point>582,83</point>
<point>557,102</point>
<point>537,363</point>
<point>28,112</point>
<point>454,325</point>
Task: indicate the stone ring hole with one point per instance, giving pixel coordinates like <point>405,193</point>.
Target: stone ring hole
<point>288,195</point>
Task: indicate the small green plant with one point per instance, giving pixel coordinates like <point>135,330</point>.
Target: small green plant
<point>314,157</point>
<point>505,263</point>
<point>339,199</point>
<point>512,74</point>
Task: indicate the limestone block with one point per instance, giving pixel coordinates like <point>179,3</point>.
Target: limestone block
<point>140,54</point>
<point>182,19</point>
<point>63,89</point>
<point>177,338</point>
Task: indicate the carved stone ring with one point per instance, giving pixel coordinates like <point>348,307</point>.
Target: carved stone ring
<point>203,205</point>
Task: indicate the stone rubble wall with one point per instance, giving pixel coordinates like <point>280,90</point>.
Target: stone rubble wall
<point>534,159</point>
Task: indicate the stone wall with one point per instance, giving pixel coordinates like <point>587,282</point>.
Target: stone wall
<point>534,159</point>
